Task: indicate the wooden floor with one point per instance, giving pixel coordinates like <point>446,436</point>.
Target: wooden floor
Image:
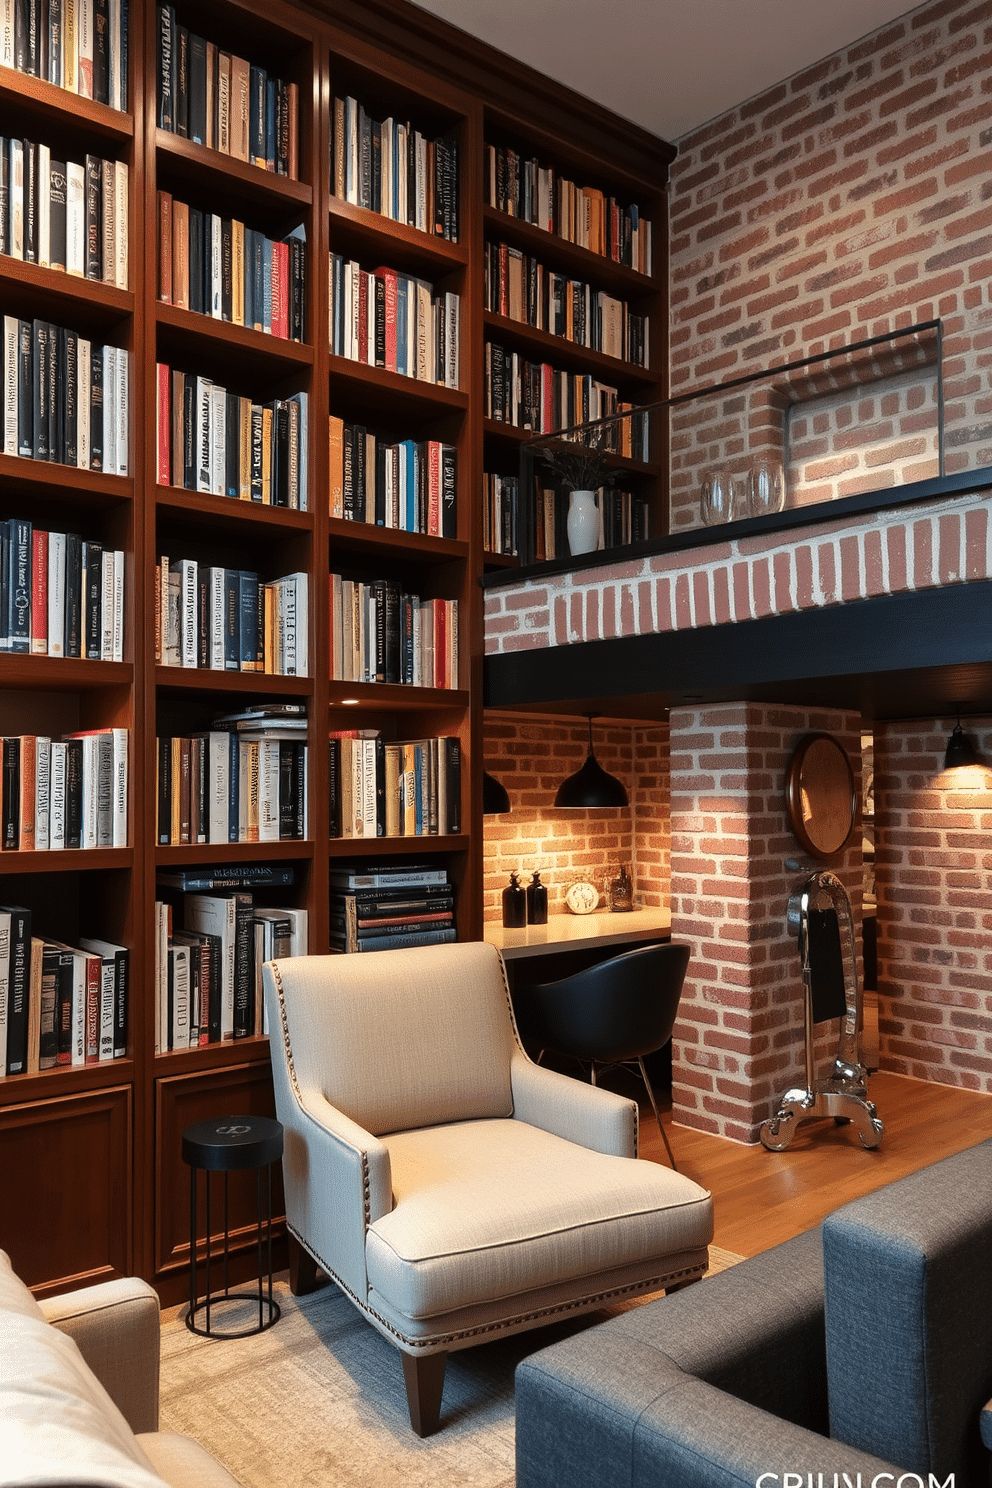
<point>761,1197</point>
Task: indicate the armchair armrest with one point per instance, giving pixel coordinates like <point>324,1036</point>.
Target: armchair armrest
<point>116,1327</point>
<point>585,1114</point>
<point>338,1180</point>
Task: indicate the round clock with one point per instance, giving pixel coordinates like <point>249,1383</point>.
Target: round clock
<point>820,795</point>
<point>582,898</point>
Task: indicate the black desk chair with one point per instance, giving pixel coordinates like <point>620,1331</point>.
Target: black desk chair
<point>612,1013</point>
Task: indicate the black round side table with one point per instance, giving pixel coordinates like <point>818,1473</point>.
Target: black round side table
<point>230,1144</point>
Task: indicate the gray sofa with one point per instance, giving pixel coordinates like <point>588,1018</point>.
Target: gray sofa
<point>79,1379</point>
<point>864,1346</point>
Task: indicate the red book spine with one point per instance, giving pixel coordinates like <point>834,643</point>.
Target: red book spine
<point>39,592</point>
<point>440,643</point>
<point>433,488</point>
<point>388,277</point>
<point>94,975</point>
<point>363,316</point>
<point>280,290</point>
<point>164,424</point>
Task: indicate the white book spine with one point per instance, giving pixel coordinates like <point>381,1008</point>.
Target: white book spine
<point>84,23</point>
<point>75,219</point>
<point>217,622</point>
<point>218,758</point>
<point>56,594</point>
<point>268,790</point>
<point>218,440</point>
<point>44,200</point>
<point>117,653</point>
<point>121,386</point>
<point>10,333</point>
<point>216,269</point>
<point>179,1032</point>
<point>79,970</point>
<point>108,226</point>
<point>7,13</point>
<point>109,354</point>
<point>106,792</point>
<point>57,816</point>
<point>119,217</point>
<point>91,790</point>
<point>15,200</point>
<point>107,605</point>
<point>120,743</point>
<point>43,801</point>
<point>203,386</point>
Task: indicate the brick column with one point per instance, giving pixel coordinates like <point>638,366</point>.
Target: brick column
<point>739,1039</point>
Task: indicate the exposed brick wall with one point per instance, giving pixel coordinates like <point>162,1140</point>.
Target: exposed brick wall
<point>739,1040</point>
<point>933,871</point>
<point>531,757</point>
<point>848,201</point>
<point>945,541</point>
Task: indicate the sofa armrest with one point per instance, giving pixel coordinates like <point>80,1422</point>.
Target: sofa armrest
<point>116,1326</point>
<point>584,1114</point>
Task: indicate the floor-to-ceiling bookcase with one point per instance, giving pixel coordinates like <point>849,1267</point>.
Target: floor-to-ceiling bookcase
<point>93,1179</point>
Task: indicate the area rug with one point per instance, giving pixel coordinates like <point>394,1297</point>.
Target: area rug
<point>318,1401</point>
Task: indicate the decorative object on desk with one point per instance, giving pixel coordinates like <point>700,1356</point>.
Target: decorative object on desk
<point>820,795</point>
<point>960,751</point>
<point>514,904</point>
<point>620,891</point>
<point>591,787</point>
<point>766,487</point>
<point>582,898</point>
<point>495,797</point>
<point>537,901</point>
<point>716,497</point>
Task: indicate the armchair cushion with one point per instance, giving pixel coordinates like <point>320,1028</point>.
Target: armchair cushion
<point>452,1239</point>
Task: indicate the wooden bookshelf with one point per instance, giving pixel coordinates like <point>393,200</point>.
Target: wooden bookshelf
<point>106,1136</point>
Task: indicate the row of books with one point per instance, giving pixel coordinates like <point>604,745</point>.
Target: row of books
<point>64,214</point>
<point>208,972</point>
<point>380,633</point>
<point>219,267</point>
<point>537,396</point>
<point>223,786</point>
<point>217,442</point>
<point>60,594</point>
<point>384,908</point>
<point>217,99</point>
<point>230,620</point>
<point>79,45</point>
<point>64,793</point>
<point>385,318</point>
<point>535,531</point>
<point>393,788</point>
<point>65,399</point>
<point>585,216</point>
<point>403,483</point>
<point>60,1005</point>
<point>521,288</point>
<point>387,166</point>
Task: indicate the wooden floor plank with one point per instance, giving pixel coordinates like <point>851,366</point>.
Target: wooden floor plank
<point>762,1198</point>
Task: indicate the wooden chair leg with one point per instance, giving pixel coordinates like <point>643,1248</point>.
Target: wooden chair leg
<point>302,1269</point>
<point>424,1379</point>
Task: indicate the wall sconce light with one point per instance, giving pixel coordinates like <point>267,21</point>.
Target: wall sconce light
<point>591,787</point>
<point>960,751</point>
<point>495,797</point>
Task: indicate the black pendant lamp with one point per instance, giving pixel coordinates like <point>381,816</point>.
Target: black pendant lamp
<point>591,787</point>
<point>960,750</point>
<point>495,797</point>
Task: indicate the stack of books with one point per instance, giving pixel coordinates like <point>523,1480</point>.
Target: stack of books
<point>82,48</point>
<point>216,266</point>
<point>404,788</point>
<point>388,319</point>
<point>59,1004</point>
<point>403,483</point>
<point>60,594</point>
<point>379,908</point>
<point>208,972</point>
<point>243,781</point>
<point>217,99</point>
<point>387,166</point>
<point>63,214</point>
<point>64,793</point>
<point>214,441</point>
<point>65,399</point>
<point>537,396</point>
<point>229,620</point>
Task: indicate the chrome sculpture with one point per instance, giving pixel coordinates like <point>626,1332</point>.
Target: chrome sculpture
<point>820,911</point>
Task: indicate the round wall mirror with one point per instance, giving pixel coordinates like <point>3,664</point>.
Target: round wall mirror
<point>820,795</point>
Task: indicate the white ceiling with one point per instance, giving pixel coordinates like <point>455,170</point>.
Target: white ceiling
<point>668,65</point>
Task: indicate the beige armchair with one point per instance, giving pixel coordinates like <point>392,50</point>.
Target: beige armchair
<point>453,1189</point>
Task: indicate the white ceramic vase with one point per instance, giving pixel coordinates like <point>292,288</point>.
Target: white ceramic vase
<point>583,522</point>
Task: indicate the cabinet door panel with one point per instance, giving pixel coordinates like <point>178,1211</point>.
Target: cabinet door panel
<point>66,1168</point>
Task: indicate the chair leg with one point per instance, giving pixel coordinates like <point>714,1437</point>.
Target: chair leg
<point>302,1269</point>
<point>657,1113</point>
<point>424,1380</point>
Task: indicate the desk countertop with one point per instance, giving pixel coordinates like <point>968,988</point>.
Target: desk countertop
<point>568,931</point>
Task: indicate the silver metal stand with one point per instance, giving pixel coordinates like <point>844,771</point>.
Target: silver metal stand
<point>844,1095</point>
